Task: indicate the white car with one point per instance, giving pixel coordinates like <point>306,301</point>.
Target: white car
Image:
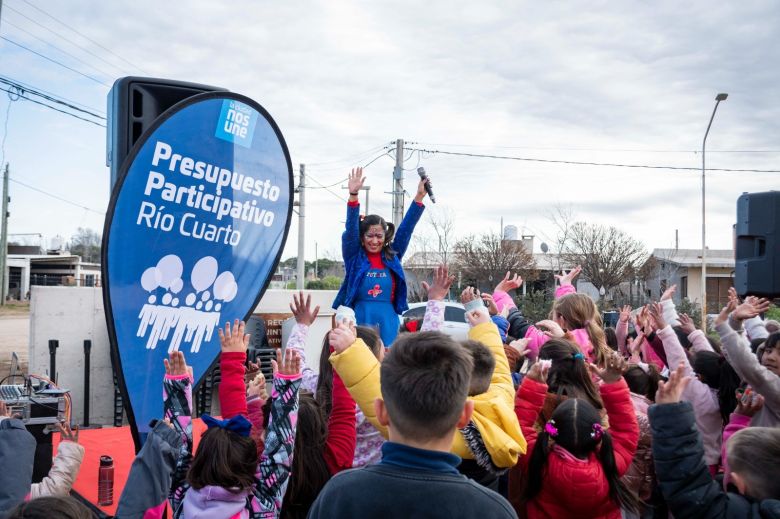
<point>455,324</point>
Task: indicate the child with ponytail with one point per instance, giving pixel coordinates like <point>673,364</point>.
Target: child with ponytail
<point>575,466</point>
<point>574,316</point>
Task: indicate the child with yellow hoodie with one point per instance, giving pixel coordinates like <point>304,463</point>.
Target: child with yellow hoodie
<point>492,440</point>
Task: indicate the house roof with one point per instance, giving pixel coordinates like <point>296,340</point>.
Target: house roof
<point>723,258</point>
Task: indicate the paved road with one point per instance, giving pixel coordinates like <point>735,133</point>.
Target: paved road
<point>14,336</point>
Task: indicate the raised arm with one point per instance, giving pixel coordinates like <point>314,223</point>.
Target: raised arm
<point>65,467</point>
<point>342,435</point>
<point>273,468</point>
<point>403,234</point>
<point>621,330</point>
<point>177,409</point>
<point>437,291</point>
<point>232,390</point>
<point>350,240</point>
<point>304,318</point>
<point>696,337</point>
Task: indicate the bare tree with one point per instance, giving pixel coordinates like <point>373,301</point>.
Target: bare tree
<point>431,246</point>
<point>87,244</point>
<point>608,255</point>
<point>483,260</point>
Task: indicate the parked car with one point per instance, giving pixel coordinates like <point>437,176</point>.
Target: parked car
<point>455,324</point>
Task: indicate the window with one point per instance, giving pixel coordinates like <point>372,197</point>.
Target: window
<point>718,293</point>
<point>664,286</point>
<point>415,313</point>
<point>684,286</point>
<point>455,314</point>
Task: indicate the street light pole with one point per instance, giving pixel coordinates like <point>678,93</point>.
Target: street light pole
<point>718,99</point>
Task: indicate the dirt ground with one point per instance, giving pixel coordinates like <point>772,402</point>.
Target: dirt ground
<point>14,336</point>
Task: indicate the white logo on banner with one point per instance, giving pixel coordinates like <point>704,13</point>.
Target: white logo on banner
<point>196,319</point>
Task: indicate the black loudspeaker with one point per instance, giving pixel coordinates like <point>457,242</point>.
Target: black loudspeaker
<point>133,105</point>
<point>757,270</point>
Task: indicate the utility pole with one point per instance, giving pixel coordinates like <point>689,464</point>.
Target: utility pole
<point>301,228</point>
<point>366,189</point>
<point>4,239</point>
<point>398,183</point>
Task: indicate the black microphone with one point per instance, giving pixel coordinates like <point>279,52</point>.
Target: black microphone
<point>428,188</point>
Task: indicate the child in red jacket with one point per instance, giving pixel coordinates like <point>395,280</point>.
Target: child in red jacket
<point>576,464</point>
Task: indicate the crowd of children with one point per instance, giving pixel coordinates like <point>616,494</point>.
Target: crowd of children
<point>556,419</point>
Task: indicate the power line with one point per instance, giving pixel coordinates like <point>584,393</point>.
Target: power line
<point>20,96</point>
<point>85,37</point>
<point>108,74</point>
<point>55,61</point>
<point>554,148</point>
<point>28,186</point>
<point>28,87</point>
<point>23,90</point>
<point>326,188</point>
<point>582,163</point>
<point>387,153</point>
<point>350,159</point>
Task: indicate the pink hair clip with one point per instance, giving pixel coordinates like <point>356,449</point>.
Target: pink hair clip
<point>598,431</point>
<point>550,428</point>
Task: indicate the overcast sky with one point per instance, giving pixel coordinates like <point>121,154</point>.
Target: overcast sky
<point>621,82</point>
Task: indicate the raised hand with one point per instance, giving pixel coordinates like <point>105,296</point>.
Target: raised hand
<point>752,307</point>
<point>550,328</point>
<point>234,339</point>
<point>476,317</point>
<point>657,314</point>
<point>723,316</point>
<point>256,387</point>
<point>625,313</point>
<point>686,324</point>
<point>669,392</point>
<point>469,294</point>
<point>176,365</point>
<point>301,309</point>
<point>421,192</point>
<point>252,369</point>
<point>566,278</point>
<point>613,371</point>
<point>733,296</point>
<point>748,402</point>
<point>491,305</point>
<point>355,181</point>
<point>287,364</point>
<point>68,433</point>
<point>441,284</point>
<point>341,337</point>
<point>669,292</point>
<point>520,346</point>
<point>539,371</point>
<point>509,283</point>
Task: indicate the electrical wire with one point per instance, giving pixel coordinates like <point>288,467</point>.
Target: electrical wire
<point>582,163</point>
<point>553,148</point>
<point>49,98</point>
<point>29,87</point>
<point>55,61</point>
<point>96,69</point>
<point>53,108</point>
<point>80,206</point>
<point>387,153</point>
<point>328,189</point>
<point>351,159</point>
<point>85,37</point>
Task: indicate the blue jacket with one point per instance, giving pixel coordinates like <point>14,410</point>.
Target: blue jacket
<point>356,262</point>
<point>17,451</point>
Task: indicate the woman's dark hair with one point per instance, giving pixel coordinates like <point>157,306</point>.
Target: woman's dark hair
<point>574,420</point>
<point>715,371</point>
<point>51,507</point>
<point>641,383</point>
<point>324,389</point>
<point>682,337</point>
<point>569,375</point>
<point>387,227</point>
<point>309,472</point>
<point>224,459</point>
<point>611,336</point>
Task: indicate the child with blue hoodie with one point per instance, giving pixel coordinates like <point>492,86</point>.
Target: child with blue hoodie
<point>225,479</point>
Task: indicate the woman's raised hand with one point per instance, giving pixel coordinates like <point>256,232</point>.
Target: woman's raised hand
<point>355,181</point>
<point>421,192</point>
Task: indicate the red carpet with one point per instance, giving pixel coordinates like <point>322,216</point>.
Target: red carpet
<point>117,443</point>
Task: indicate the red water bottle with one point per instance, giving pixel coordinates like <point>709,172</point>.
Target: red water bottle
<point>106,481</point>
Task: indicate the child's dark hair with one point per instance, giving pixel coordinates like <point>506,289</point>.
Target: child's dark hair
<point>685,342</point>
<point>309,472</point>
<point>754,453</point>
<point>611,338</point>
<point>425,381</point>
<point>51,507</point>
<point>387,227</point>
<point>770,343</point>
<point>715,371</point>
<point>569,375</point>
<point>575,421</point>
<point>224,459</point>
<point>484,365</point>
<point>643,382</point>
<point>324,390</point>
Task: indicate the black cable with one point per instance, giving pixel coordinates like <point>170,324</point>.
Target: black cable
<point>53,108</point>
<point>581,163</point>
<point>28,186</point>
<point>327,189</point>
<point>55,61</point>
<point>50,98</point>
<point>85,37</point>
<point>28,87</point>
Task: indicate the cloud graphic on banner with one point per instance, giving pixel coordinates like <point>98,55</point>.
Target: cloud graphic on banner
<point>195,321</point>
